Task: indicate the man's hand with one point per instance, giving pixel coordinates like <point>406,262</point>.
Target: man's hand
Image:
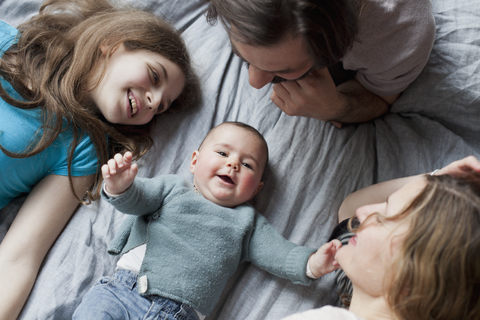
<point>119,173</point>
<point>316,96</point>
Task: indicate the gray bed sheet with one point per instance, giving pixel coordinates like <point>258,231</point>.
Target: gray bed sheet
<point>313,164</point>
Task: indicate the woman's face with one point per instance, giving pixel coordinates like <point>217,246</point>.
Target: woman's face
<point>136,86</point>
<point>369,253</point>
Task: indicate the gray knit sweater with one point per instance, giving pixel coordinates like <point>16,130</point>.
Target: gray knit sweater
<point>194,246</point>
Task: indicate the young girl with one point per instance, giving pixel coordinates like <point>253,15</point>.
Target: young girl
<point>81,81</point>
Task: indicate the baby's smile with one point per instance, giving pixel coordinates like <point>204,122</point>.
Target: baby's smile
<point>226,179</point>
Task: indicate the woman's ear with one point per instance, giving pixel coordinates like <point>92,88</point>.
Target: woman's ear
<point>193,161</point>
<point>104,47</point>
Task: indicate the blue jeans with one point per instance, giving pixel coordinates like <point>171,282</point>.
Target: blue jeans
<point>116,297</point>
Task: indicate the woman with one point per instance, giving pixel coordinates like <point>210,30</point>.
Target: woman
<point>415,254</point>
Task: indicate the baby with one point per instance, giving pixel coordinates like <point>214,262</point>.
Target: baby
<point>183,242</point>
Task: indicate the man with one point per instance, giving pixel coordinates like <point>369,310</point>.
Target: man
<point>306,48</point>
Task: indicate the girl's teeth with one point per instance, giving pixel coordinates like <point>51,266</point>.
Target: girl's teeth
<point>133,104</point>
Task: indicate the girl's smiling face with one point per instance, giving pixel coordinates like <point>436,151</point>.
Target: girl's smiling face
<point>136,86</point>
<point>369,254</point>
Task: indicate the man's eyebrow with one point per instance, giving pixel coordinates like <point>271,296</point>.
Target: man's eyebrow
<point>235,51</point>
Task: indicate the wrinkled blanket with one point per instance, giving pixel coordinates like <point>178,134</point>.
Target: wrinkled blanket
<point>313,165</point>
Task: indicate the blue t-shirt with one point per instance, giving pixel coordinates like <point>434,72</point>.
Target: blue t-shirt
<point>18,128</point>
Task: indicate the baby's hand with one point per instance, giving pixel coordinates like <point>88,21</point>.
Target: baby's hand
<point>119,173</point>
<point>323,261</point>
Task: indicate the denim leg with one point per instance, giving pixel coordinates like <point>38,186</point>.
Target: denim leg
<point>114,297</point>
<point>166,309</point>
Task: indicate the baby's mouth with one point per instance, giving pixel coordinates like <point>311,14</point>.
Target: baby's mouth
<point>227,179</point>
<point>133,104</point>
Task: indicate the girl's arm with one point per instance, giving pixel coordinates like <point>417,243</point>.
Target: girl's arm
<point>37,225</point>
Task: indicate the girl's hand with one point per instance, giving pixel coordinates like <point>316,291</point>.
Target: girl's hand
<point>323,261</point>
<point>464,168</point>
<point>119,173</point>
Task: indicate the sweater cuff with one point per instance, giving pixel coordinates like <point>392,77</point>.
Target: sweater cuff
<point>108,194</point>
<point>296,264</point>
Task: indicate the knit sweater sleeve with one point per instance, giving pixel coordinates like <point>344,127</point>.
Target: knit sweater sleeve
<point>147,195</point>
<point>270,251</point>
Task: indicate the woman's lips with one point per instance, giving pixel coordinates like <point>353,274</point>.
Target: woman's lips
<point>353,240</point>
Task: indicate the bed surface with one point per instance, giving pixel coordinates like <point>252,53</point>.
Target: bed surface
<point>313,165</point>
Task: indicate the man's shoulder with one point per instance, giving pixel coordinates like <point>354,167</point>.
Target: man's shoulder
<point>383,17</point>
<point>393,44</point>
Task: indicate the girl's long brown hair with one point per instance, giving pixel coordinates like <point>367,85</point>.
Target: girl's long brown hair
<point>57,54</point>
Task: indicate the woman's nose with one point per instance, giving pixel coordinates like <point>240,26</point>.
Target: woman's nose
<point>258,78</point>
<point>363,212</point>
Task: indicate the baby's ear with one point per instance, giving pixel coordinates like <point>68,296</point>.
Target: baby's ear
<point>193,161</point>
<point>260,185</point>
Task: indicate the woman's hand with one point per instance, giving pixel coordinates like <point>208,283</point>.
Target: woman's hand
<point>119,173</point>
<point>468,167</point>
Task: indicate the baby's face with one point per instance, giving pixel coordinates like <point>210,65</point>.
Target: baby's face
<point>229,166</point>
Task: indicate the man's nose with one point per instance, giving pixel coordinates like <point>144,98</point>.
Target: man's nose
<point>258,78</point>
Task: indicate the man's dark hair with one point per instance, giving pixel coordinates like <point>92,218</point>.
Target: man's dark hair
<point>328,26</point>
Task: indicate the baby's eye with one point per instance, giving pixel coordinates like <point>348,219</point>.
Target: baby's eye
<point>223,154</point>
<point>246,165</point>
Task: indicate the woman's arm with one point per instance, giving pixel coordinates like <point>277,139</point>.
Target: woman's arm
<point>373,194</point>
<point>466,167</point>
<point>37,225</point>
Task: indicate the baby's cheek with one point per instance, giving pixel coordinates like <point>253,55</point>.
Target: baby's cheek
<point>251,184</point>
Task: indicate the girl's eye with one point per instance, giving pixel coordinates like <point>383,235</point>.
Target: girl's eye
<point>246,64</point>
<point>161,108</point>
<point>246,165</point>
<point>156,79</point>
